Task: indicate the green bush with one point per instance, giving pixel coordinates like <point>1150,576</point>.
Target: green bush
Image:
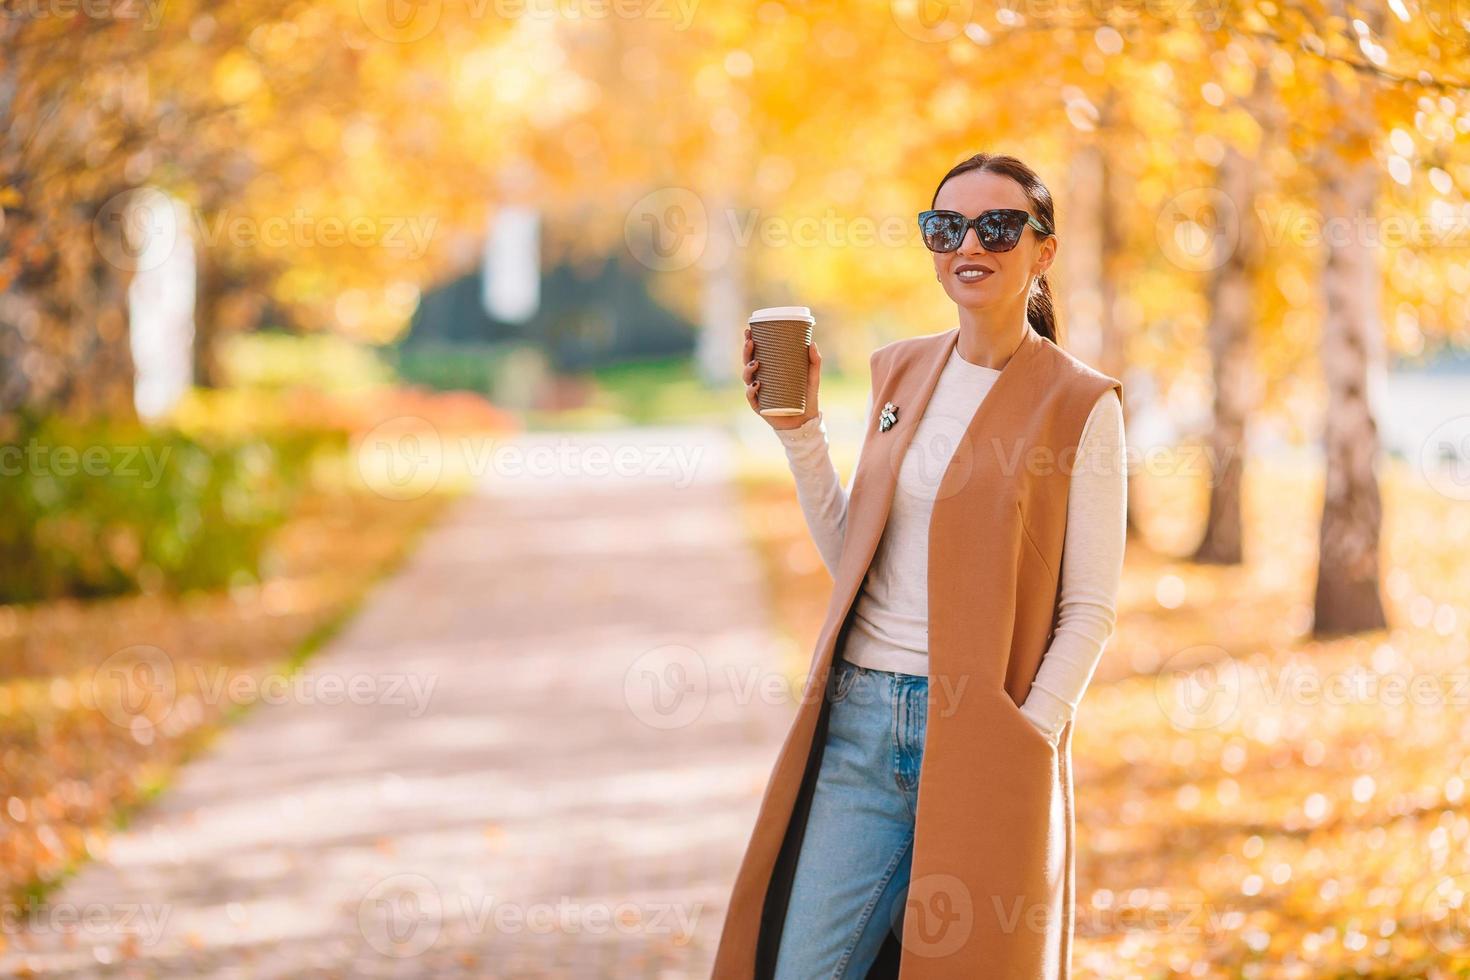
<point>103,509</point>
<point>510,373</point>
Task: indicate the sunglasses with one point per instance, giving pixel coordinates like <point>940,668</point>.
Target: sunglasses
<point>998,230</point>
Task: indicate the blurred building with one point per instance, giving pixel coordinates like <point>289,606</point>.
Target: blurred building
<point>511,326</point>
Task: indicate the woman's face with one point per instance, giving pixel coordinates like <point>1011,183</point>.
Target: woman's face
<point>1005,277</point>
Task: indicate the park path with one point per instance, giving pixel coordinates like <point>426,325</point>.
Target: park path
<point>550,766</point>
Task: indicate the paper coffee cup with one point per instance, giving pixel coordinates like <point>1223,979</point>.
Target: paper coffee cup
<point>781,335</point>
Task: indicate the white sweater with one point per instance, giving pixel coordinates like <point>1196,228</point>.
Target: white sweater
<point>890,628</point>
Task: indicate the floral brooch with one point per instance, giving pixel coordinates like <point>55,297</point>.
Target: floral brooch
<point>888,416</point>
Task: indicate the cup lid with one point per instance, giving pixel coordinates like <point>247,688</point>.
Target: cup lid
<point>784,313</point>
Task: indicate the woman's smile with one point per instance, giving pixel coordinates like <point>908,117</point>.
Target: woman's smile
<point>971,272</point>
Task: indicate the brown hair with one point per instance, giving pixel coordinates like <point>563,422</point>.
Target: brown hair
<point>1040,311</point>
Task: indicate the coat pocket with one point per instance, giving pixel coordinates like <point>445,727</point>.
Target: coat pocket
<point>1020,720</point>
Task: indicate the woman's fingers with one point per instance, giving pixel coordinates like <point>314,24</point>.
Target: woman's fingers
<point>752,386</point>
<point>752,365</point>
<point>813,376</point>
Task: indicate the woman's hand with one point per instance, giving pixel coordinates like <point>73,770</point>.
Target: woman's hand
<point>813,380</point>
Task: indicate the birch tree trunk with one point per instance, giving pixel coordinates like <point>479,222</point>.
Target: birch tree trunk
<point>1347,595</point>
<point>1232,313</point>
<point>1091,327</point>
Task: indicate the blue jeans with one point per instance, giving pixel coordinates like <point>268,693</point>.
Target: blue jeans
<point>853,870</point>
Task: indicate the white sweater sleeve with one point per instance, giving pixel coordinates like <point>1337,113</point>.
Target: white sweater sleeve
<point>1092,567</point>
<point>822,496</point>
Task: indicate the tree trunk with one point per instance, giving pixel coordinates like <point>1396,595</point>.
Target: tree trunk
<point>209,292</point>
<point>1092,327</point>
<point>1347,596</point>
<point>1232,311</point>
<point>64,323</point>
<point>1347,593</point>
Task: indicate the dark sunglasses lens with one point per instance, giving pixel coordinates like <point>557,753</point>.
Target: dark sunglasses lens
<point>942,232</point>
<point>1001,230</point>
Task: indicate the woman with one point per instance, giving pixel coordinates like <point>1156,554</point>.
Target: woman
<point>919,815</point>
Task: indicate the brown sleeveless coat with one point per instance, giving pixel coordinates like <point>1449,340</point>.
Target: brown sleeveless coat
<point>990,893</point>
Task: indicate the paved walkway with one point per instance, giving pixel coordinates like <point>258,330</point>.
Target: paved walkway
<point>549,767</point>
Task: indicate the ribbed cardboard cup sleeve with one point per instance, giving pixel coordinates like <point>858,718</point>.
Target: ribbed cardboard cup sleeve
<point>781,347</point>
